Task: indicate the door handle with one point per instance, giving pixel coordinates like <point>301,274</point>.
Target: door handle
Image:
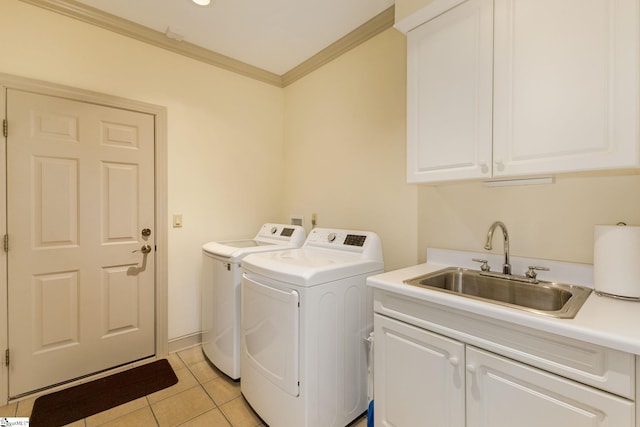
<point>145,249</point>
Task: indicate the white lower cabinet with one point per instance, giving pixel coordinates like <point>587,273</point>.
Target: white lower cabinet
<point>423,378</point>
<point>418,377</point>
<point>504,393</point>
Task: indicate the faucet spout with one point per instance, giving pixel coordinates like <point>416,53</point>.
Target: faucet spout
<point>506,267</point>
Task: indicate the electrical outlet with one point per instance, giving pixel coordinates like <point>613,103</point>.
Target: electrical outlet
<point>314,220</point>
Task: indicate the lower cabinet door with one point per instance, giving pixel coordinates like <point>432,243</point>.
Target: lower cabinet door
<point>504,393</point>
<point>418,377</point>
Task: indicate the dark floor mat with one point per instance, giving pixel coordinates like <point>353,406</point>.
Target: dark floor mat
<point>75,403</point>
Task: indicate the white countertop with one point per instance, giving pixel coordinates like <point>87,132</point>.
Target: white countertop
<point>603,321</point>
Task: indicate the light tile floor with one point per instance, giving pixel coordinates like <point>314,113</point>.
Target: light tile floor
<point>203,397</point>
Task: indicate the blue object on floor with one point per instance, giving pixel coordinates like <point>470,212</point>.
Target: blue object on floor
<point>370,415</point>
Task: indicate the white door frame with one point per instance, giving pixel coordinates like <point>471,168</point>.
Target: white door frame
<point>161,224</point>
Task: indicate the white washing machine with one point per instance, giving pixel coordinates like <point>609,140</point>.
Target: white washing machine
<point>221,278</point>
<point>305,316</point>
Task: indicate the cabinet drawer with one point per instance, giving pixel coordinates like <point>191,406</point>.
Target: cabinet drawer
<point>600,367</point>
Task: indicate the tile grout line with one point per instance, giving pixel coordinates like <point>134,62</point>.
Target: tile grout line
<point>218,407</point>
<point>153,413</point>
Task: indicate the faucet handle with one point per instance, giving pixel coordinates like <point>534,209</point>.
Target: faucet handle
<point>531,273</point>
<point>485,264</point>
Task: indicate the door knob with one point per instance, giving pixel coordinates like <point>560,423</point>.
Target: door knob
<point>146,232</point>
<point>145,249</point>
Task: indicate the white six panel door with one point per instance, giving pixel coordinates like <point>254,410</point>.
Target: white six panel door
<point>80,181</point>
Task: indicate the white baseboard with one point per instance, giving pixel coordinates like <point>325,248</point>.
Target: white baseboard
<point>184,342</point>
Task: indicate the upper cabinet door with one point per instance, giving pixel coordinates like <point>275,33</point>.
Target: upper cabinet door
<point>565,86</point>
<point>449,95</point>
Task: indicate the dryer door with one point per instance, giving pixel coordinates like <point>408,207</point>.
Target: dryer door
<point>270,325</point>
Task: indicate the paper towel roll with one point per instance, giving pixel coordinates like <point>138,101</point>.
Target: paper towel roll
<point>616,260</point>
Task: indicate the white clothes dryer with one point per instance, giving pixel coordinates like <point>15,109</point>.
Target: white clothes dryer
<point>305,316</point>
<point>221,278</point>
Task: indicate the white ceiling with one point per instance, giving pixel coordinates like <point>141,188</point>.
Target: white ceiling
<point>275,35</point>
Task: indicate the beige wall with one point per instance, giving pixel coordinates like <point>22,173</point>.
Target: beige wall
<point>345,147</point>
<point>548,221</point>
<point>225,132</point>
<point>552,221</point>
<point>345,153</point>
<point>333,143</point>
<point>405,8</point>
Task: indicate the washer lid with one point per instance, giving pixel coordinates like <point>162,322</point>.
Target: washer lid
<point>310,266</point>
<point>237,249</point>
<point>245,243</point>
<point>270,237</point>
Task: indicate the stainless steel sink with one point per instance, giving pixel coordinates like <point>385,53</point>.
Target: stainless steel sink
<point>551,299</point>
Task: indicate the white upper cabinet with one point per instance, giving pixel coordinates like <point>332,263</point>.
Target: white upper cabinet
<point>566,86</point>
<point>449,78</point>
<point>508,88</point>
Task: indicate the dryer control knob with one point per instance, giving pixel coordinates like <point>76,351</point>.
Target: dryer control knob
<point>273,230</point>
<point>331,237</point>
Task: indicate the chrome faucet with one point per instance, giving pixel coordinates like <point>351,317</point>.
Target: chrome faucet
<point>506,267</point>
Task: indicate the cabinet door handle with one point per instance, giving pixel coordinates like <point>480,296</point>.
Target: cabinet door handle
<point>500,165</point>
<point>483,167</point>
<point>454,361</point>
<point>471,369</point>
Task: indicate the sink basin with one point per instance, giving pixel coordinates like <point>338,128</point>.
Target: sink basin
<point>551,299</point>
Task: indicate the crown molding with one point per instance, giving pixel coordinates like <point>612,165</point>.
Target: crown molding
<point>141,33</point>
<point>366,31</point>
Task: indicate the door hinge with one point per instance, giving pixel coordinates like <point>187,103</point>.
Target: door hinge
<point>5,128</point>
<point>6,243</point>
<point>6,357</point>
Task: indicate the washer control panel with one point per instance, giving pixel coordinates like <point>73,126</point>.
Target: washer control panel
<point>355,240</point>
<point>366,243</point>
<point>281,232</point>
